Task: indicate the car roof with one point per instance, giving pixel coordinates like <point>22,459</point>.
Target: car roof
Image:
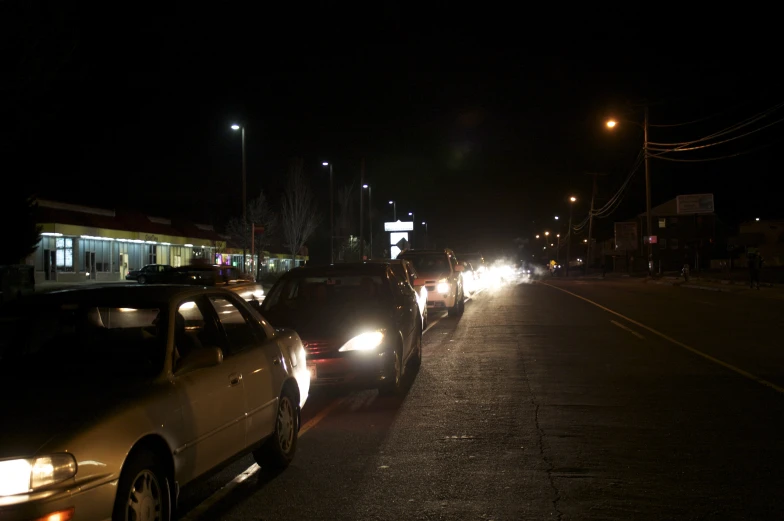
<point>360,268</point>
<point>126,292</point>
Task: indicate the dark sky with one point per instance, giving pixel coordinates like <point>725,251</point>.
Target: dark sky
<point>478,136</point>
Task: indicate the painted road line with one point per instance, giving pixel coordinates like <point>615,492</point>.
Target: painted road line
<point>220,494</point>
<point>633,332</point>
<point>678,343</point>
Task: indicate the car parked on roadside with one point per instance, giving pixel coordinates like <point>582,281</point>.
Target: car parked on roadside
<point>116,397</point>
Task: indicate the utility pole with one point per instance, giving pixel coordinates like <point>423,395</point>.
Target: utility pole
<point>590,221</point>
<point>648,216</point>
<point>361,211</point>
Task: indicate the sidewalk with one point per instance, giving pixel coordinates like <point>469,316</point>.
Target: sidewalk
<point>742,288</point>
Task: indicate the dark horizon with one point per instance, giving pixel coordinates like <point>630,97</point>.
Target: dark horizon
<point>483,144</point>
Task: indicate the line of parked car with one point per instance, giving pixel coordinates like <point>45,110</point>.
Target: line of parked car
<point>118,396</point>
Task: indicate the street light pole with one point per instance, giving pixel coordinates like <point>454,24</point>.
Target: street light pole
<point>331,215</point>
<point>648,193</point>
<point>244,197</point>
<point>558,251</point>
<point>425,225</point>
<point>413,227</point>
<point>569,235</point>
<point>370,217</point>
<point>361,212</point>
<point>394,210</point>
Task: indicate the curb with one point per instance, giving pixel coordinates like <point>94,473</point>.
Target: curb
<point>704,288</point>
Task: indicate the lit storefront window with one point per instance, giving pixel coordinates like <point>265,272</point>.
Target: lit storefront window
<point>64,256</point>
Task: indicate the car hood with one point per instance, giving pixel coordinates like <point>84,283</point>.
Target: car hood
<point>433,275</point>
<point>336,324</point>
<point>36,415</point>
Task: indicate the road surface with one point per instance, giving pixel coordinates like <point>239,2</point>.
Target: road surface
<point>541,403</point>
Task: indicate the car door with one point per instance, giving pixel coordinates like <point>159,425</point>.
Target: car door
<point>212,398</point>
<point>405,310</point>
<point>255,355</point>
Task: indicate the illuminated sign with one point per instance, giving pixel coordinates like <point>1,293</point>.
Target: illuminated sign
<point>399,226</point>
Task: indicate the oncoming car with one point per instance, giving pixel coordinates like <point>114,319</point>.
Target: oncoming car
<point>138,391</point>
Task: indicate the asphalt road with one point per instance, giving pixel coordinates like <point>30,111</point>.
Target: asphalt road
<point>538,404</point>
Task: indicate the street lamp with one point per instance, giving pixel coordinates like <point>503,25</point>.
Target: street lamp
<point>572,200</point>
<point>425,225</point>
<point>546,234</point>
<point>611,124</point>
<point>413,223</point>
<point>331,215</point>
<point>556,217</point>
<point>236,127</point>
<point>370,216</point>
<point>537,236</point>
<point>558,250</point>
<point>394,210</point>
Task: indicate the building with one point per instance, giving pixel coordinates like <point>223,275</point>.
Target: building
<point>680,237</point>
<point>766,236</point>
<point>80,243</point>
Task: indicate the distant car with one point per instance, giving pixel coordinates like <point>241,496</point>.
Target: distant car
<point>442,273</point>
<point>358,325</point>
<point>139,391</point>
<point>205,275</point>
<point>406,274</point>
<point>150,274</point>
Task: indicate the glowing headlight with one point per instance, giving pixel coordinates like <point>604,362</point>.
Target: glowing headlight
<point>364,342</point>
<point>19,476</point>
<point>443,286</point>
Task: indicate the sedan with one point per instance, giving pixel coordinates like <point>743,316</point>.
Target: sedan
<point>138,391</point>
<point>358,324</point>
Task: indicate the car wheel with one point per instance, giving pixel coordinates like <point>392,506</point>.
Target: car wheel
<point>278,450</point>
<point>393,385</point>
<point>142,279</point>
<point>144,490</point>
<point>424,321</point>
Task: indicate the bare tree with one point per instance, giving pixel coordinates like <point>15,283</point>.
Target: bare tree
<point>260,213</point>
<point>298,210</point>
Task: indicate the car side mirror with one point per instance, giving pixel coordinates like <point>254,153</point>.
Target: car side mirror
<point>200,358</point>
<point>459,268</point>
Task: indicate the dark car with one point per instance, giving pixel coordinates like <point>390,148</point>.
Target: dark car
<point>358,325</point>
<point>151,274</point>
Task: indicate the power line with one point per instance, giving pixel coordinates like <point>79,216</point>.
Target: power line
<point>720,157</point>
<point>706,118</point>
<point>680,149</point>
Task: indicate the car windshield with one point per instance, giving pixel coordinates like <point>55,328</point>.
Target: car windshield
<point>72,339</point>
<point>315,294</point>
<point>436,262</point>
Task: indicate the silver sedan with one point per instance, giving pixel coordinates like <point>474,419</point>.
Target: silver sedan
<point>114,398</point>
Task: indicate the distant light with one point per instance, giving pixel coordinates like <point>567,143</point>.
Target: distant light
<point>611,123</point>
<point>391,202</point>
<point>556,217</point>
<point>410,213</point>
<point>235,127</point>
<point>572,199</point>
<point>757,219</point>
<point>364,186</point>
<point>324,164</point>
<point>423,223</point>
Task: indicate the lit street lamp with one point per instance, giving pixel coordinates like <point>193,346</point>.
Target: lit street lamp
<point>425,225</point>
<point>235,127</point>
<point>331,215</point>
<point>413,226</point>
<point>370,216</point>
<point>572,200</point>
<point>394,210</point>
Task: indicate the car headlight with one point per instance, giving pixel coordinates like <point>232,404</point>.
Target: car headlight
<point>19,476</point>
<point>364,342</point>
<point>443,286</point>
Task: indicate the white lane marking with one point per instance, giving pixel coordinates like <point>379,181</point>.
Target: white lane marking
<point>678,343</point>
<point>635,333</point>
<point>224,491</point>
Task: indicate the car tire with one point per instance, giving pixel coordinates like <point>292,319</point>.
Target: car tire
<point>277,452</point>
<point>142,279</point>
<point>144,488</point>
<point>393,386</point>
<point>457,309</point>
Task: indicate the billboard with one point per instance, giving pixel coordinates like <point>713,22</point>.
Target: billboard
<point>695,203</point>
<point>626,236</point>
<point>398,226</point>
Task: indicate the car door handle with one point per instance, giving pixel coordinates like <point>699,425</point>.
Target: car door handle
<point>235,379</point>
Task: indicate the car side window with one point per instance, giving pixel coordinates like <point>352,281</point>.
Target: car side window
<point>193,329</point>
<point>239,333</point>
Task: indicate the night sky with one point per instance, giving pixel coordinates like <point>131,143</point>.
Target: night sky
<point>483,139</point>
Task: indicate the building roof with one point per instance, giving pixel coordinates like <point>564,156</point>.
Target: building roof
<point>667,209</point>
<point>53,212</point>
